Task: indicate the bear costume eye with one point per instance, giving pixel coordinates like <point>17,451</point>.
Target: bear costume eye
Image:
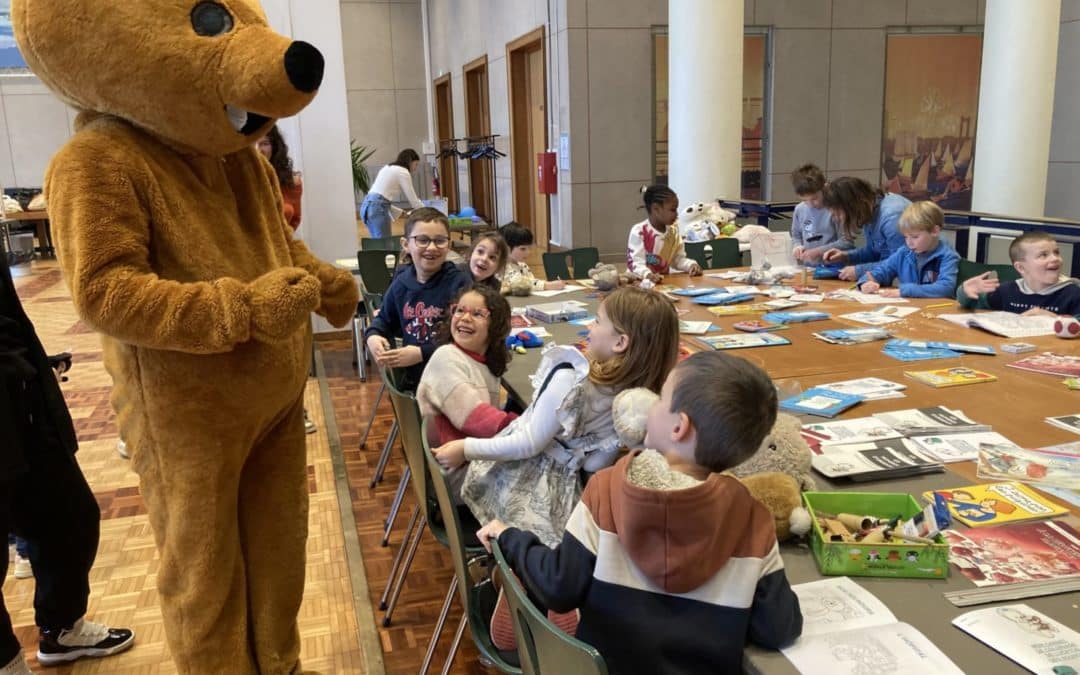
<point>772,446</point>
<point>210,19</point>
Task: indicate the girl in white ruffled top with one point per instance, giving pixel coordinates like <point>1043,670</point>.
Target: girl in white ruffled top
<point>527,475</point>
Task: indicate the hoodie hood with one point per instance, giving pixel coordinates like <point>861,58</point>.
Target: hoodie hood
<point>680,537</point>
<point>1062,282</point>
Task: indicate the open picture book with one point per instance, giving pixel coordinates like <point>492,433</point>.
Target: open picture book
<point>1025,635</point>
<point>1005,324</point>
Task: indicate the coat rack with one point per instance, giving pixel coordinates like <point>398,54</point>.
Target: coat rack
<point>476,148</point>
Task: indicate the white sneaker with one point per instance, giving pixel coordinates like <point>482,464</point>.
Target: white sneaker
<point>121,449</point>
<point>22,568</point>
<point>18,666</point>
<point>84,638</point>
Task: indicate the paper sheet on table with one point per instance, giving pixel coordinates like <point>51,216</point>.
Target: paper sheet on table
<point>880,317</point>
<point>569,288</point>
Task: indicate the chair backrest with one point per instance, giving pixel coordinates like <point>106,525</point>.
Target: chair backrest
<point>581,260</point>
<point>410,431</point>
<point>478,622</point>
<point>695,250</point>
<point>373,271</point>
<point>970,269</point>
<point>380,244</point>
<point>555,266</point>
<point>543,647</point>
<point>725,253</point>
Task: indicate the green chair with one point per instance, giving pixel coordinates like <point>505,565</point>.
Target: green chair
<point>392,244</point>
<point>581,259</point>
<point>478,600</point>
<point>725,253</point>
<point>375,279</point>
<point>542,647</point>
<point>970,269</point>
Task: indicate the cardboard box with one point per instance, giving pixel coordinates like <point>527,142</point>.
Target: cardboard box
<point>902,559</point>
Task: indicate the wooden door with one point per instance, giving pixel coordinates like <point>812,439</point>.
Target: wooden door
<point>478,123</point>
<point>444,129</point>
<point>528,131</point>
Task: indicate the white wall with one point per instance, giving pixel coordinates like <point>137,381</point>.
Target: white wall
<point>1063,177</point>
<point>33,126</point>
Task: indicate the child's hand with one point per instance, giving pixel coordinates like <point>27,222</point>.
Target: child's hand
<point>848,273</point>
<point>980,284</point>
<point>556,285</point>
<point>654,277</point>
<point>889,292</point>
<point>402,357</point>
<point>870,285</point>
<point>1038,311</point>
<point>812,255</point>
<point>490,531</point>
<point>377,345</point>
<point>834,255</point>
<point>797,252</point>
<point>695,270</point>
<point>451,455</point>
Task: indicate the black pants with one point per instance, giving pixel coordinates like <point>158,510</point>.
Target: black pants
<point>51,506</point>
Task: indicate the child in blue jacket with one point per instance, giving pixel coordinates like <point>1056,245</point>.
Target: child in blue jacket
<point>926,267</point>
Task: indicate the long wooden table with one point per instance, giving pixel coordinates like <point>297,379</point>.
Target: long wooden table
<point>1014,406</point>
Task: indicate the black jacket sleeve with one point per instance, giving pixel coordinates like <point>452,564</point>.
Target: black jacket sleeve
<point>558,578</point>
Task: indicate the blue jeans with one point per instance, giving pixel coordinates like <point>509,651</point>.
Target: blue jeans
<point>21,547</point>
<point>375,212</point>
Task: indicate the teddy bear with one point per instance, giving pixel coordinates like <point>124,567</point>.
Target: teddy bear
<point>702,221</point>
<point>171,235</point>
<point>607,277</point>
<point>520,287</point>
<point>775,475</point>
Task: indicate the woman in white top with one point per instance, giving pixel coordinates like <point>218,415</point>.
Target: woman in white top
<point>392,184</point>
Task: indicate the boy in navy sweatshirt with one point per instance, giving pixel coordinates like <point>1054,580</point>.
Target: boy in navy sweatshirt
<point>1041,288</point>
<point>673,565</point>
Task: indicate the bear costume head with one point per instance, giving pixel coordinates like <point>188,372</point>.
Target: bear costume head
<point>232,75</point>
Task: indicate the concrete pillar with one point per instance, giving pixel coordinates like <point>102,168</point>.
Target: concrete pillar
<point>705,57</point>
<point>1016,104</point>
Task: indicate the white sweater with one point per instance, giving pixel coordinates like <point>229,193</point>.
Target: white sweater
<point>395,184</point>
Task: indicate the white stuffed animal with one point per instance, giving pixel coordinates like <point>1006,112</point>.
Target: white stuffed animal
<point>630,413</point>
<point>702,221</point>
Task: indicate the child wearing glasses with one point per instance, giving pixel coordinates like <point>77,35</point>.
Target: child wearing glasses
<point>459,389</point>
<point>419,297</point>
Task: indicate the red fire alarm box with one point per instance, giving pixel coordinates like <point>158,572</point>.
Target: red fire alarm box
<point>547,173</point>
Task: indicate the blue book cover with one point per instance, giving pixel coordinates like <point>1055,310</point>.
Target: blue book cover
<point>915,350</point>
<point>796,317</point>
<point>852,336</point>
<point>695,291</point>
<point>820,402</point>
<point>826,272</point>
<point>964,347</point>
<point>723,298</point>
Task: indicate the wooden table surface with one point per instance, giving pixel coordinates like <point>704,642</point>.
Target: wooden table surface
<point>1015,406</point>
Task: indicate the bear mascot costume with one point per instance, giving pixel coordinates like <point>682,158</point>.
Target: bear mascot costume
<point>170,232</point>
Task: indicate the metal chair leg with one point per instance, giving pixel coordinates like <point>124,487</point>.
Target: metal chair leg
<point>402,488</point>
<point>400,582</point>
<point>384,458</point>
<point>437,633</point>
<point>358,347</point>
<point>398,558</point>
<point>454,645</point>
<point>371,418</point>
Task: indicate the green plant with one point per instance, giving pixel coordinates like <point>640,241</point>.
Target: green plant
<point>360,154</point>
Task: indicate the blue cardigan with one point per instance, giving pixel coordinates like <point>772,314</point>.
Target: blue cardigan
<point>935,278</point>
<point>882,236</point>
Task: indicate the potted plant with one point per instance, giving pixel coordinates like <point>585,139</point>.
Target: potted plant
<point>361,179</point>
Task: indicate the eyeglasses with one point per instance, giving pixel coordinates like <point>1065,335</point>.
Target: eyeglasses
<point>423,241</point>
<point>477,313</point>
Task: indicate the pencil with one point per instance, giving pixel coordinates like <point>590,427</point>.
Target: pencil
<point>940,304</point>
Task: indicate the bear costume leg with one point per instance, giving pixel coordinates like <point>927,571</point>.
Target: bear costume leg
<point>230,520</point>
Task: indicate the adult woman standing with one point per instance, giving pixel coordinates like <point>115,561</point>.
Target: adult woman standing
<point>273,147</point>
<point>856,203</point>
<point>393,183</point>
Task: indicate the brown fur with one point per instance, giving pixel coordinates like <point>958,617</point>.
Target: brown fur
<point>170,231</point>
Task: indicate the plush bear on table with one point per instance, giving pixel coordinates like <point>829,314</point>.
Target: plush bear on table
<point>702,221</point>
<point>170,232</point>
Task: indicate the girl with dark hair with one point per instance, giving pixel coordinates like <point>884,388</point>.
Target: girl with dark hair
<point>273,147</point>
<point>393,183</point>
<point>655,246</point>
<point>855,203</point>
<point>460,385</point>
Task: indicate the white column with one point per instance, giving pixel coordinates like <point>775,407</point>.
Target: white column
<point>1016,104</point>
<point>319,136</point>
<point>705,57</point>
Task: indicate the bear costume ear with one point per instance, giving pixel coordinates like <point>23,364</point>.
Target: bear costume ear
<point>205,76</point>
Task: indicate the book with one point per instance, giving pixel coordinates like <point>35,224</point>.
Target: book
<point>821,435</point>
<point>807,297</point>
<point>1035,467</point>
<point>961,447</point>
<point>889,458</point>
<point>733,310</point>
<point>795,317</point>
<point>1009,554</point>
<point>847,629</point>
<point>1050,364</point>
<point>1005,324</point>
<point>556,311</point>
<point>965,347</point>
<point>1066,422</point>
<point>852,336</point>
<point>929,421</point>
<point>950,377</point>
<point>905,350</point>
<point>742,341</point>
<point>870,388</point>
<point>695,327</point>
<point>694,291</point>
<point>1017,347</point>
<point>880,317</point>
<point>996,503</point>
<point>568,288</point>
<point>755,326</point>
<point>722,298</point>
<point>782,303</point>
<point>1026,636</point>
<point>826,272</point>
<point>820,402</point>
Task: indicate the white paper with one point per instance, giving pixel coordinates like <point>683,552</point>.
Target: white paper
<point>958,447</point>
<point>880,317</point>
<point>870,388</point>
<point>774,248</point>
<point>807,297</point>
<point>852,459</point>
<point>848,631</point>
<point>569,288</point>
<point>694,327</point>
<point>1025,635</point>
<point>1005,324</point>
<point>858,430</point>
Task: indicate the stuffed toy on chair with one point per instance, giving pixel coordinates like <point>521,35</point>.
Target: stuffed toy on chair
<point>170,232</point>
<point>702,221</point>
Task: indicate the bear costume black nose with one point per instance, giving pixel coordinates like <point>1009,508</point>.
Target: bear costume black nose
<point>304,66</point>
